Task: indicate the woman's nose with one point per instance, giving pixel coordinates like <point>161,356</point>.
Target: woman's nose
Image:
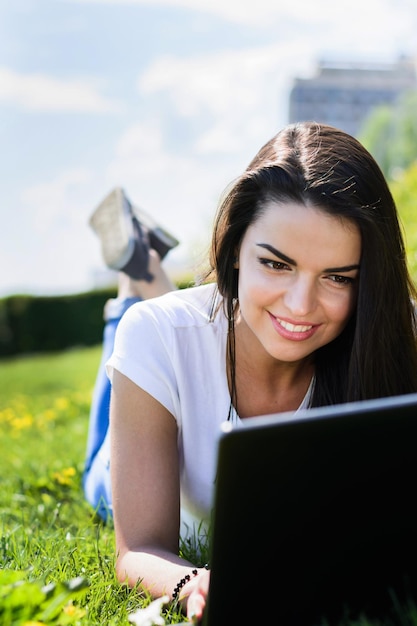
<point>300,297</point>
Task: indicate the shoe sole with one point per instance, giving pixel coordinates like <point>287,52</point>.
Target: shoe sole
<point>112,223</point>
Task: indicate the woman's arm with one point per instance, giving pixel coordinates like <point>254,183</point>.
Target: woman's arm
<point>146,496</point>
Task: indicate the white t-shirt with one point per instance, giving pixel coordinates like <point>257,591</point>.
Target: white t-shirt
<point>170,347</point>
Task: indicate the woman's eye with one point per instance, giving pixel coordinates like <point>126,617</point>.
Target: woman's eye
<point>341,280</point>
<point>273,264</point>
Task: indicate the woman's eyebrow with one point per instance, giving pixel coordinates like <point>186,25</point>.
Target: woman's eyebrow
<point>344,268</point>
<point>277,253</point>
<point>287,259</point>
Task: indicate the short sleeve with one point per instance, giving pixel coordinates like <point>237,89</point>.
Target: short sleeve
<point>143,352</point>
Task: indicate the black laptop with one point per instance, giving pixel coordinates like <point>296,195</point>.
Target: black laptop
<point>315,516</point>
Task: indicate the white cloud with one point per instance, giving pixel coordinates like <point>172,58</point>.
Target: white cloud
<point>145,138</point>
<point>263,12</point>
<point>48,245</point>
<point>40,92</point>
<point>49,205</point>
<point>155,175</point>
<point>59,248</point>
<point>237,96</point>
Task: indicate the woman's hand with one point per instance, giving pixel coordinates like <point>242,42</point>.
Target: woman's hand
<point>194,595</point>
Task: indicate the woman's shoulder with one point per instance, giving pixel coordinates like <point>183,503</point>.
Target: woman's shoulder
<point>190,306</point>
<point>200,297</point>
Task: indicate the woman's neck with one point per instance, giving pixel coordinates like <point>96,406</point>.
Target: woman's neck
<point>265,385</point>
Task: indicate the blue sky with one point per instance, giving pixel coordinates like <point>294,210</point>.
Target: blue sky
<point>168,98</point>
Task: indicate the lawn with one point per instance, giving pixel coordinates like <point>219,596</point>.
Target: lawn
<point>56,557</point>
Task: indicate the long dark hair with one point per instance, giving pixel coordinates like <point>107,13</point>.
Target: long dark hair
<point>375,355</point>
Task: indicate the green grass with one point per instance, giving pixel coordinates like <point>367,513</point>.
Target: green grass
<point>49,534</point>
<point>56,557</point>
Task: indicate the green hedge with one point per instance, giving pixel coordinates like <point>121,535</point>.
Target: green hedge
<point>46,324</point>
<point>31,324</point>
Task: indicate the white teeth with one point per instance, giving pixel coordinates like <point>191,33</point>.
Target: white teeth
<point>294,328</point>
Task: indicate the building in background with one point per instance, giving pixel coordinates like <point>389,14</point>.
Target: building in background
<point>343,95</point>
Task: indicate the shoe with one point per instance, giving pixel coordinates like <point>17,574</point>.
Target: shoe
<point>160,239</point>
<point>126,233</point>
<point>124,242</point>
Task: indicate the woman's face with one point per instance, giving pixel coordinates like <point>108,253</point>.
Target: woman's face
<point>298,276</point>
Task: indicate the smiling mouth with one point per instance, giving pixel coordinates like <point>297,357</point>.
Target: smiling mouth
<point>294,328</point>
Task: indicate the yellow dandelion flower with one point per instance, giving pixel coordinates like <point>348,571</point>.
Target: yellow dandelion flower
<point>7,415</point>
<point>65,476</point>
<point>74,611</point>
<point>49,414</point>
<point>69,471</point>
<point>61,403</point>
<point>22,422</point>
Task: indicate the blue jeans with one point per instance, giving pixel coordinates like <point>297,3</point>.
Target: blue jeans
<point>96,479</point>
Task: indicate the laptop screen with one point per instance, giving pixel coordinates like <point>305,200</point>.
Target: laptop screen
<point>315,516</point>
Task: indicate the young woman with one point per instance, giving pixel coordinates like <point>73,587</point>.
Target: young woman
<point>308,302</point>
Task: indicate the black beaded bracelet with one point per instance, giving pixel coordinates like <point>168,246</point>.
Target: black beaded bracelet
<point>183,582</point>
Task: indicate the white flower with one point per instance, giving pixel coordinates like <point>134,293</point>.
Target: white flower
<point>151,615</point>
